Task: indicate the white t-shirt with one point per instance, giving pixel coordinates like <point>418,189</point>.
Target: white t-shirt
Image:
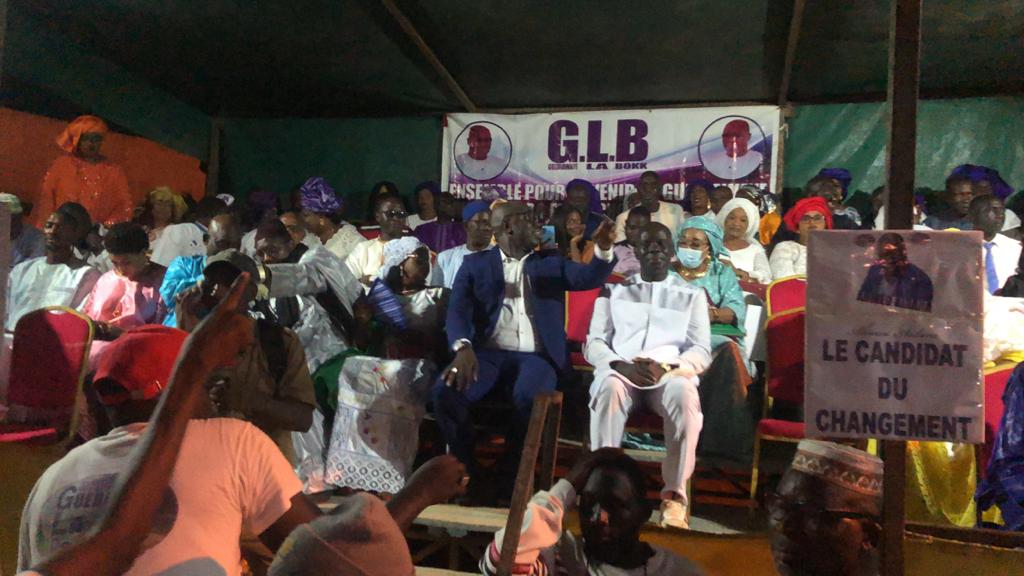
<point>229,476</point>
<point>414,221</point>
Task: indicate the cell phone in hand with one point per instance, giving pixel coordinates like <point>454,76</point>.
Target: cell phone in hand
<point>547,237</point>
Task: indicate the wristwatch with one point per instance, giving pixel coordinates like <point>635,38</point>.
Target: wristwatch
<point>461,343</point>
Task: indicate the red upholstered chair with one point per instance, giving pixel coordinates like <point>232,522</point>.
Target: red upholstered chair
<point>784,381</point>
<point>579,307</point>
<point>786,294</point>
<point>369,233</point>
<point>996,379</point>
<point>48,366</point>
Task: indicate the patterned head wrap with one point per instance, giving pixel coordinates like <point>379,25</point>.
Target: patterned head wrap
<point>714,233</point>
<point>317,196</point>
<point>840,465</point>
<point>397,250</point>
<point>595,195</point>
<point>813,204</point>
<point>68,139</point>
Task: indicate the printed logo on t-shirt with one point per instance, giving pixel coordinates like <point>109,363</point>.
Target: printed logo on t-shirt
<point>70,512</point>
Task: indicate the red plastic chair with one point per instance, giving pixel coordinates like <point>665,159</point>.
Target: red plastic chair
<point>996,379</point>
<point>784,381</point>
<point>48,366</point>
<point>786,294</point>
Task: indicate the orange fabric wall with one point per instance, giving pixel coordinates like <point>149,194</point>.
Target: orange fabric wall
<point>27,148</point>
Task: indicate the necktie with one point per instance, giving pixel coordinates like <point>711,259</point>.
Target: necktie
<point>990,270</point>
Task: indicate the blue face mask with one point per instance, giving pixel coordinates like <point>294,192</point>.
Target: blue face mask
<point>689,257</point>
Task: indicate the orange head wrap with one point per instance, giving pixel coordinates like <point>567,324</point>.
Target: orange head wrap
<point>68,139</point>
<point>813,204</point>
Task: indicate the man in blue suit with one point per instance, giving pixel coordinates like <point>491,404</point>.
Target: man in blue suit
<point>506,324</point>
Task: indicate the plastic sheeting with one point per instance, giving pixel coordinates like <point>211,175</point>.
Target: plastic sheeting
<point>949,133</point>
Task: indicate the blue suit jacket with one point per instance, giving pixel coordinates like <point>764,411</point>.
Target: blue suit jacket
<point>475,302</point>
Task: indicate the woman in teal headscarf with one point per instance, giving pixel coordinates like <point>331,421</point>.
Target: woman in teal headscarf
<point>728,419</point>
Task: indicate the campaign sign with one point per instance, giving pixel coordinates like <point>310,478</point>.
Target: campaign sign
<point>894,336</point>
<point>532,157</point>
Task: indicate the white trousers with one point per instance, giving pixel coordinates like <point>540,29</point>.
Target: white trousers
<point>678,404</point>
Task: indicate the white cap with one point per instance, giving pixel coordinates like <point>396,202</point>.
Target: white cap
<point>12,202</point>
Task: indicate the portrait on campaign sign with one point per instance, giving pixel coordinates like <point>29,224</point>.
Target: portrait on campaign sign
<point>532,157</point>
<point>482,151</point>
<point>892,280</point>
<point>894,336</point>
<point>726,147</point>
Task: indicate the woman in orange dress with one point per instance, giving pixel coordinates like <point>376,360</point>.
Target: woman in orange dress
<point>82,174</point>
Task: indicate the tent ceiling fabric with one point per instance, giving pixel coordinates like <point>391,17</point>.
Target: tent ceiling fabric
<point>350,58</point>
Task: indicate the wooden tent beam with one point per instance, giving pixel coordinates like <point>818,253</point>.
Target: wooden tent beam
<point>213,157</point>
<point>902,92</point>
<point>791,44</point>
<point>432,58</point>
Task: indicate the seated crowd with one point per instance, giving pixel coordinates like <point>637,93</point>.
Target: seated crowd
<point>313,353</point>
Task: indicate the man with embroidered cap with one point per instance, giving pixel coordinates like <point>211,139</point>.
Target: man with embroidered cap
<point>321,211</point>
<point>825,514</point>
<point>650,338</point>
<point>476,219</point>
<point>27,241</point>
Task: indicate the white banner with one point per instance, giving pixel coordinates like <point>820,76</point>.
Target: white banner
<point>894,336</point>
<point>532,156</point>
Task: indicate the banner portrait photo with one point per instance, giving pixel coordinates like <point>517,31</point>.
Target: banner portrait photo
<point>894,336</point>
<point>531,157</point>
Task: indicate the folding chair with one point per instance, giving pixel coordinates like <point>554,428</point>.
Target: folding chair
<point>48,366</point>
<point>786,294</point>
<point>784,381</point>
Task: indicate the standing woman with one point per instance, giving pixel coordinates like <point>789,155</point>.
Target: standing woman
<point>790,256</point>
<point>739,219</point>
<point>83,175</point>
<point>728,419</point>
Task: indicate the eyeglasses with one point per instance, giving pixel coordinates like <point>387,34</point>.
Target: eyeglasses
<point>395,214</point>
<point>812,217</point>
<point>812,517</point>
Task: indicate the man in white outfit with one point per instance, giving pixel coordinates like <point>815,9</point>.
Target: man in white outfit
<point>642,354</point>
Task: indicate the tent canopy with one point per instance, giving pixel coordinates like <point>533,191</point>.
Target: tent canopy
<point>348,58</point>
